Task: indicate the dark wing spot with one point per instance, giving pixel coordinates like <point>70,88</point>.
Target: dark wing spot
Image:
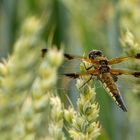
<point>44,51</point>
<point>72,75</point>
<point>138,55</point>
<point>68,56</point>
<point>136,74</point>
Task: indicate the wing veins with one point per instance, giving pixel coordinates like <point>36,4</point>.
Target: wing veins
<point>125,72</point>
<point>125,58</point>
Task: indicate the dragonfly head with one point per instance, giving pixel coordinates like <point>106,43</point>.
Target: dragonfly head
<point>95,53</point>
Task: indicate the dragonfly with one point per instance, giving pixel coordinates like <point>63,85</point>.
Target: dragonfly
<point>101,68</point>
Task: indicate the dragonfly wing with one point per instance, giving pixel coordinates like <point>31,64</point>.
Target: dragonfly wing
<point>125,58</point>
<point>71,57</point>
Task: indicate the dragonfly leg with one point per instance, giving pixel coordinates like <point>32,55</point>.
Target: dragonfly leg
<point>86,82</point>
<point>87,68</point>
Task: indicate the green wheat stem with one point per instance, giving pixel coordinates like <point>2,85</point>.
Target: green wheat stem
<point>30,107</point>
<point>83,123</point>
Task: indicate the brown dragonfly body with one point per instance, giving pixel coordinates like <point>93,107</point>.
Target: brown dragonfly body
<point>101,68</point>
<point>111,88</point>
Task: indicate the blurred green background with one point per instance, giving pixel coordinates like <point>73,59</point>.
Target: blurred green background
<point>83,25</point>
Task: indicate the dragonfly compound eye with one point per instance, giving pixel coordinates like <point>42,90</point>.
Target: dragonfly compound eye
<point>94,53</point>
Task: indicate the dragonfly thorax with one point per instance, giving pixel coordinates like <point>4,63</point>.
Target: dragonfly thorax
<point>94,54</point>
<point>104,68</point>
<point>103,62</point>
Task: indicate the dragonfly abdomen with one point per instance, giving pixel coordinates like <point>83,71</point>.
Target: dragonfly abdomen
<point>112,89</point>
